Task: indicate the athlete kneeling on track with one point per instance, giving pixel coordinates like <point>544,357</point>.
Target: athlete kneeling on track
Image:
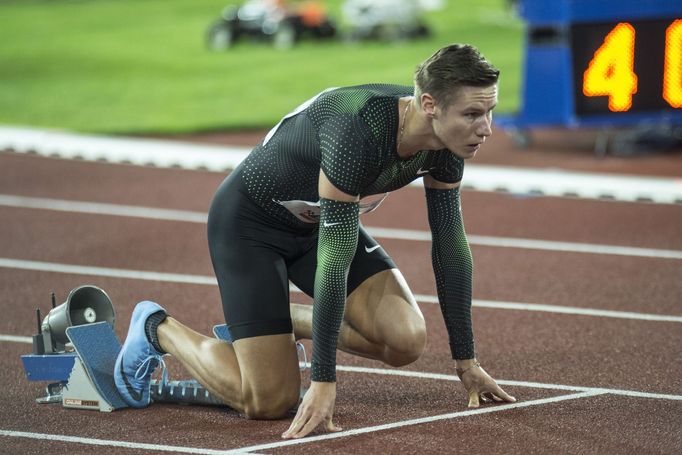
<point>291,211</point>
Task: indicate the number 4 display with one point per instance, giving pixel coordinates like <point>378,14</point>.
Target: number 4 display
<point>611,70</point>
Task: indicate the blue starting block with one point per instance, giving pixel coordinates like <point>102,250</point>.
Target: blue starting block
<point>220,331</point>
<point>91,383</point>
<point>82,379</point>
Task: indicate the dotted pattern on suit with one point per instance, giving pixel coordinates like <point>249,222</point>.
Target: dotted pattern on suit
<point>338,241</point>
<point>351,134</point>
<point>453,268</point>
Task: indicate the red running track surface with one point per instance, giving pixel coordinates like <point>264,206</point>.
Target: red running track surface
<point>557,351</point>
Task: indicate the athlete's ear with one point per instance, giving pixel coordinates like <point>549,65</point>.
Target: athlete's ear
<point>428,105</point>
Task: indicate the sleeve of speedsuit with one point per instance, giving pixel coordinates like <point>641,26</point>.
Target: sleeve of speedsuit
<point>453,268</point>
<point>345,141</point>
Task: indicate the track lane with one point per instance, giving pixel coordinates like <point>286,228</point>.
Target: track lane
<point>517,275</point>
<point>519,345</point>
<point>547,218</point>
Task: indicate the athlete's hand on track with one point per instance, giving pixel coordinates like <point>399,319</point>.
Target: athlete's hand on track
<point>481,387</point>
<point>317,408</point>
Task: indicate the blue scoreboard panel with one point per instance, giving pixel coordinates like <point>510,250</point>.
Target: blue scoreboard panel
<point>600,63</point>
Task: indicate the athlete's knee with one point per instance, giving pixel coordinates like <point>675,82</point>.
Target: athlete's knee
<point>409,344</point>
<point>271,404</point>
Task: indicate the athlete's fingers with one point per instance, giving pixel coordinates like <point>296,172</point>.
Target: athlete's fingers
<point>310,425</point>
<point>330,427</point>
<point>502,394</point>
<point>473,399</point>
<point>296,424</point>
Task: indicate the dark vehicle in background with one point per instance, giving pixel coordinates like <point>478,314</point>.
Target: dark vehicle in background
<point>270,20</point>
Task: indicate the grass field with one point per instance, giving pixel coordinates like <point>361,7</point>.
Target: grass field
<point>140,66</point>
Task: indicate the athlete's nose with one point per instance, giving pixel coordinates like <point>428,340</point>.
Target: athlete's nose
<point>485,128</point>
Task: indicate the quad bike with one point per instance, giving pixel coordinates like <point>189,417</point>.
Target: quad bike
<point>270,20</point>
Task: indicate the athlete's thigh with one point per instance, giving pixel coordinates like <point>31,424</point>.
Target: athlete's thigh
<point>249,267</point>
<point>381,302</point>
<point>383,306</point>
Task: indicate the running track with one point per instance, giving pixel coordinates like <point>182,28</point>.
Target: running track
<point>584,328</point>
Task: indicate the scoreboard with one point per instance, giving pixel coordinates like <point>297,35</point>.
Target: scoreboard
<point>600,63</point>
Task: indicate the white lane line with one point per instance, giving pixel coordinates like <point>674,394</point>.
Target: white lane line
<point>99,208</point>
<point>532,244</point>
<point>163,153</point>
<point>112,443</point>
<point>497,304</point>
<point>527,384</point>
<point>107,272</point>
<point>449,377</point>
<point>16,339</point>
<point>420,421</point>
<point>211,281</point>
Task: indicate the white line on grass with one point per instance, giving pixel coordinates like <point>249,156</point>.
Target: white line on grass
<point>211,281</point>
<point>98,208</point>
<point>284,443</point>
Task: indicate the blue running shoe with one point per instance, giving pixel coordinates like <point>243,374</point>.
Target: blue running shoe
<point>138,359</point>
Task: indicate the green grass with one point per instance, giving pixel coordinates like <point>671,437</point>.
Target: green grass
<point>140,66</point>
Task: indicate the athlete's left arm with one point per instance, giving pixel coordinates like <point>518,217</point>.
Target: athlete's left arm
<point>453,269</point>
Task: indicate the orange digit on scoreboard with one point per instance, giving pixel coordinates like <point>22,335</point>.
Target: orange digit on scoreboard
<point>672,70</point>
<point>611,71</point>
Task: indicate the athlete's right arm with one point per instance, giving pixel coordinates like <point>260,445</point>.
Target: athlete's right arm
<point>338,239</point>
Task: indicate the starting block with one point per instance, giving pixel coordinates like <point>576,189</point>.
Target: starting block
<point>89,383</point>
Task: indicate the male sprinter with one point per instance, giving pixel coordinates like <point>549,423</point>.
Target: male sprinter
<point>291,211</point>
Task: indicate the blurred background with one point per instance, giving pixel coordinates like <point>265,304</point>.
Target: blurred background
<point>180,66</point>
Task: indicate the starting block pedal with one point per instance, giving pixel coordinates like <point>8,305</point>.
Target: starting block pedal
<point>220,332</point>
<point>91,383</point>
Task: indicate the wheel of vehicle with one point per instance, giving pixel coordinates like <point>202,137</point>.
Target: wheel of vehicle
<point>285,36</point>
<point>220,36</point>
<point>326,30</point>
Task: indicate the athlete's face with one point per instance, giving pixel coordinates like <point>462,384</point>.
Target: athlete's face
<point>464,125</point>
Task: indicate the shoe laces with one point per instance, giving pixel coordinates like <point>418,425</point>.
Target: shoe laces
<point>149,365</point>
